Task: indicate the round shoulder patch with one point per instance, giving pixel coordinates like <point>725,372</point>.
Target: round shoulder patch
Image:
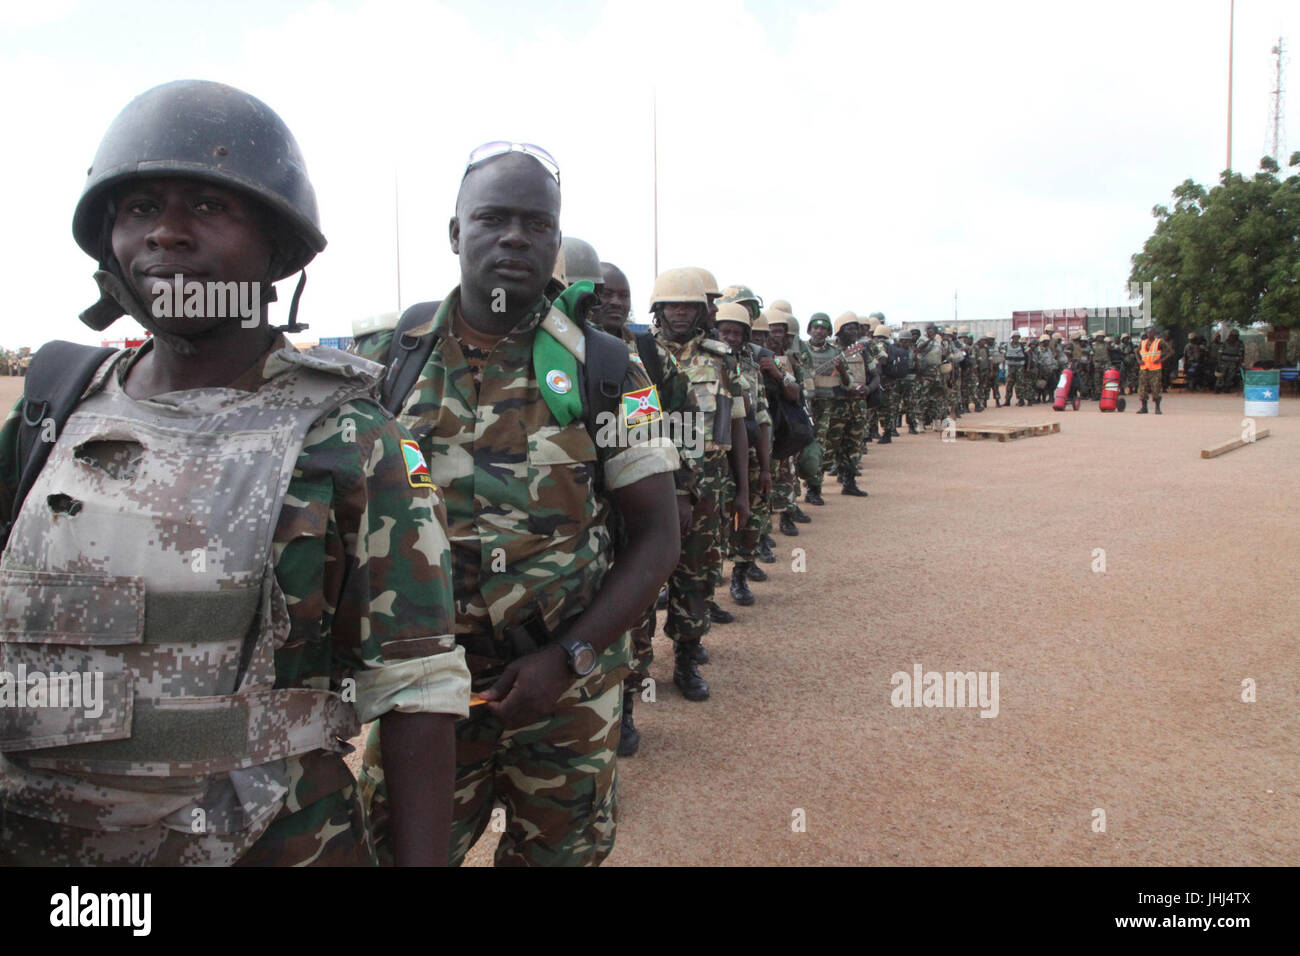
<point>558,381</point>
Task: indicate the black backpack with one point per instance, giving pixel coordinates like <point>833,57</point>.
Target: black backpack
<point>900,361</point>
<point>58,374</point>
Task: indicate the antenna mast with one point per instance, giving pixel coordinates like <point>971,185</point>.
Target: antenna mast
<point>1278,51</point>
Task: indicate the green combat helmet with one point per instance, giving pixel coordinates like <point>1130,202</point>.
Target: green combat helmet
<point>818,318</point>
<point>741,294</point>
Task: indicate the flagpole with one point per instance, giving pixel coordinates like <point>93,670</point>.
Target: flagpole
<point>397,238</point>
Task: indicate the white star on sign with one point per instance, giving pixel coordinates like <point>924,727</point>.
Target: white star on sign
<point>1268,393</point>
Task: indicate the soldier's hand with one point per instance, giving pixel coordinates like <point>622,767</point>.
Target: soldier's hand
<point>839,361</point>
<point>529,688</point>
<point>742,511</point>
<point>769,366</point>
<point>764,484</point>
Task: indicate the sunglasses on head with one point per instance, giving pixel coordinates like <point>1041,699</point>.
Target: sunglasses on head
<point>500,147</point>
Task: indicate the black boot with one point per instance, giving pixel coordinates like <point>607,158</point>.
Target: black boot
<point>814,497</point>
<point>765,555</point>
<point>851,488</point>
<point>799,517</point>
<point>688,679</point>
<point>1157,406</point>
<point>912,429</point>
<point>717,615</point>
<point>1143,409</point>
<point>740,592</point>
<point>885,439</point>
<point>787,525</point>
<point>697,652</point>
<point>755,573</point>
<point>628,740</point>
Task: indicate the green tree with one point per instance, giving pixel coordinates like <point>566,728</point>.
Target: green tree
<point>1231,254</point>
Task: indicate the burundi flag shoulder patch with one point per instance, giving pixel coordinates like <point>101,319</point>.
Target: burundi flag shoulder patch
<point>417,472</point>
<point>641,407</point>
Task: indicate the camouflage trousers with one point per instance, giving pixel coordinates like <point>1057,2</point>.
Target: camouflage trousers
<point>969,392</point>
<point>887,413</point>
<point>1098,379</point>
<point>743,541</point>
<point>988,382</point>
<point>555,779</point>
<point>853,413</point>
<point>785,486</point>
<point>936,402</point>
<point>1128,379</point>
<point>641,636</point>
<point>1228,376</point>
<point>1016,382</point>
<point>830,431</point>
<point>909,399</point>
<point>699,567</point>
<point>1148,383</point>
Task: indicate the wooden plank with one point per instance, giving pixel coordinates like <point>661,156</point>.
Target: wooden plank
<point>1226,447</point>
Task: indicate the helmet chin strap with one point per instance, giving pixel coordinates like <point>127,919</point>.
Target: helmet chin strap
<point>116,298</point>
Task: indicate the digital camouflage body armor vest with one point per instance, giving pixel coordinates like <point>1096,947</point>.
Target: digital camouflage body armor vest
<point>144,554</point>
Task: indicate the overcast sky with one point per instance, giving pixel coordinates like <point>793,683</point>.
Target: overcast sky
<point>854,155</point>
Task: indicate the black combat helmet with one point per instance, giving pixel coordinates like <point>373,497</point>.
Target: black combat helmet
<point>202,130</point>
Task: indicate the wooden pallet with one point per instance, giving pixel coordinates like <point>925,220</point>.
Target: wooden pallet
<point>1006,432</point>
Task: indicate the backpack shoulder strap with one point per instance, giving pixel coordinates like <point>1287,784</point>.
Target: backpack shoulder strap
<point>407,355</point>
<point>603,373</point>
<point>58,374</point>
<point>646,348</point>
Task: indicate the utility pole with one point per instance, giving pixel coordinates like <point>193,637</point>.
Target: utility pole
<point>397,239</point>
<point>1232,15</point>
<point>654,119</point>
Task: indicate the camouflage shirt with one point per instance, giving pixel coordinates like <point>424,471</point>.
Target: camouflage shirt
<point>751,383</point>
<point>362,558</point>
<point>716,394</point>
<point>529,534</point>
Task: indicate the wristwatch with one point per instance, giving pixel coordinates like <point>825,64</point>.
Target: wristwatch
<point>581,655</point>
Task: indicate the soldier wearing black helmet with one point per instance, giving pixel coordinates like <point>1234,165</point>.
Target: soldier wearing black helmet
<point>241,518</point>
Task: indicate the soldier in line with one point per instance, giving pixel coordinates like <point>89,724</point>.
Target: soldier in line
<point>260,504</point>
<point>934,367</point>
<point>1100,357</point>
<point>1128,365</point>
<point>850,409</point>
<point>987,360</point>
<point>968,367</point>
<point>909,396</point>
<point>530,487</point>
<point>661,368</point>
<point>826,364</point>
<point>733,323</point>
<point>1227,374</point>
<point>1016,357</point>
<point>795,383</point>
<point>680,305</point>
<point>891,388</point>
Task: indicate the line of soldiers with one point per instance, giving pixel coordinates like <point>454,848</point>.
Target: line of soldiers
<point>1215,364</point>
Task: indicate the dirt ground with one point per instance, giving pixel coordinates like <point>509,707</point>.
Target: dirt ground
<point>1120,690</point>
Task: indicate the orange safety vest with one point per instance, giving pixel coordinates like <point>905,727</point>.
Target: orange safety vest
<point>1151,354</point>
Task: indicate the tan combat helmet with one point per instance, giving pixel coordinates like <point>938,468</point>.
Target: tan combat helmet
<point>710,283</point>
<point>576,262</point>
<point>679,285</point>
<point>732,312</point>
<point>757,325</point>
<point>1076,334</point>
<point>964,330</point>
<point>776,317</point>
<point>882,331</point>
<point>843,319</point>
<point>1098,335</point>
<point>794,323</point>
<point>1056,336</point>
<point>782,306</point>
<point>1048,329</point>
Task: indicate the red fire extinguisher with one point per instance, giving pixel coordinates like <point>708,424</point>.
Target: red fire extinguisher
<point>1110,398</point>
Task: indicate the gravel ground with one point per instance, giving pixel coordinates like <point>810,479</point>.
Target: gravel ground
<point>1120,690</point>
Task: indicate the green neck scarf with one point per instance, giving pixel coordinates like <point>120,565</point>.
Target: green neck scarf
<point>554,363</point>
